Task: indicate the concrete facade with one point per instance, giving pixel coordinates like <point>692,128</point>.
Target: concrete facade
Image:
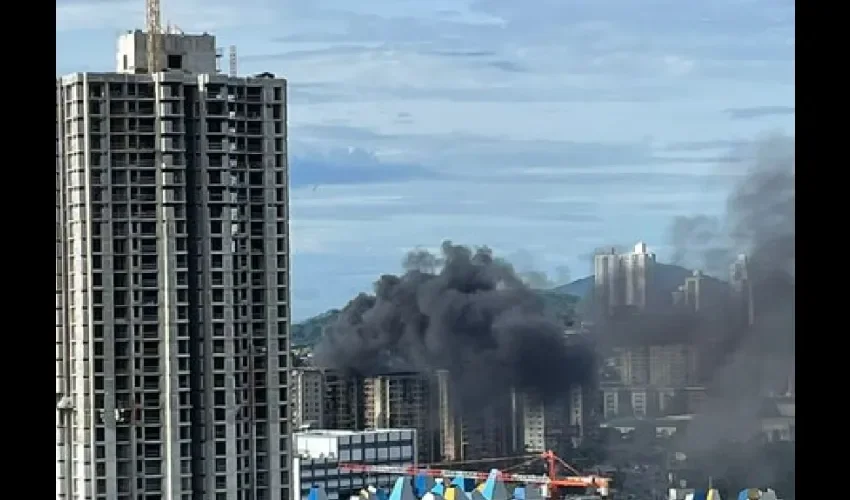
<point>326,399</point>
<point>404,400</point>
<point>172,293</point>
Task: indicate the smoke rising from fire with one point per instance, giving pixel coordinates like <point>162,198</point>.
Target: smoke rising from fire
<point>461,310</point>
<point>758,359</point>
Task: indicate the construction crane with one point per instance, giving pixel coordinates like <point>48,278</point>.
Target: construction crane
<point>550,482</point>
<point>153,24</point>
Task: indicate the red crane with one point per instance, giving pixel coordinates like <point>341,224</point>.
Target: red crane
<point>549,482</point>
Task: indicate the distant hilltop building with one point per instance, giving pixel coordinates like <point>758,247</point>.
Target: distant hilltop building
<point>623,281</point>
<point>742,290</point>
<point>700,294</point>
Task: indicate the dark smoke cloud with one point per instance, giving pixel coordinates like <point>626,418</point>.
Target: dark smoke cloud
<point>700,236</point>
<point>462,310</point>
<point>756,360</point>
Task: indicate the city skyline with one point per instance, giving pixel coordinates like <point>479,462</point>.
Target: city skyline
<point>413,122</point>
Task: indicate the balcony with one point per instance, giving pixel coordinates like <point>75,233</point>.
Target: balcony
<point>145,197</point>
<point>171,128</point>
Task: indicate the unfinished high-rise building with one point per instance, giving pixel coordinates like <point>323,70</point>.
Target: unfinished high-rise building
<point>490,430</point>
<point>404,401</point>
<point>307,391</point>
<point>326,399</point>
<point>172,293</point>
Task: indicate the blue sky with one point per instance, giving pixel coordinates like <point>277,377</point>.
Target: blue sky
<point>542,128</point>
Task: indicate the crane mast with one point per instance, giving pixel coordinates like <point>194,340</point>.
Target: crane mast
<point>153,25</point>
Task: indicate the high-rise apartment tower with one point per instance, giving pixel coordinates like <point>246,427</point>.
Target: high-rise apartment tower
<point>623,280</point>
<point>172,268</point>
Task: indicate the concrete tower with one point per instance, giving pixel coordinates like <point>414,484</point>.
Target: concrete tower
<point>623,280</point>
<point>172,293</point>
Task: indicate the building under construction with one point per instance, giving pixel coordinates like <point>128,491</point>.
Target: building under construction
<point>511,425</point>
<point>172,293</point>
<point>326,399</point>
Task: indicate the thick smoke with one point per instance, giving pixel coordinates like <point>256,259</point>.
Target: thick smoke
<point>464,311</point>
<point>757,360</point>
<point>759,222</point>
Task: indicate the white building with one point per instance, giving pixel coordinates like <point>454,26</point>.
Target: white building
<point>172,280</point>
<point>318,453</point>
<point>623,280</point>
<point>741,288</point>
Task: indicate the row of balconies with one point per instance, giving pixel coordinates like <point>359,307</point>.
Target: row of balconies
<point>238,97</point>
<point>238,146</point>
<point>174,91</point>
<point>98,90</point>
<point>219,128</point>
<point>250,112</point>
<point>138,143</point>
<point>175,126</point>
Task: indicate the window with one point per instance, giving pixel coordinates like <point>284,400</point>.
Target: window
<point>175,61</point>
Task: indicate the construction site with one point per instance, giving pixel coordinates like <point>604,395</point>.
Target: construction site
<point>359,461</point>
<point>509,425</point>
<point>561,480</point>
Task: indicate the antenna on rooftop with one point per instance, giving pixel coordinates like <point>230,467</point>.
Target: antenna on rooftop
<point>154,28</point>
<point>233,61</point>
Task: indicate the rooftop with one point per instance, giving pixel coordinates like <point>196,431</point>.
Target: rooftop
<point>341,433</point>
<point>657,421</point>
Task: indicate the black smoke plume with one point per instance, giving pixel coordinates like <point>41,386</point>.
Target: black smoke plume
<point>757,360</point>
<point>463,311</point>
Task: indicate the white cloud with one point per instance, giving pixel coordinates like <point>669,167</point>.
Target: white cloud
<point>548,113</point>
<point>422,213</point>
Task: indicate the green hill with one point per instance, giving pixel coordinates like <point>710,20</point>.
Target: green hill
<point>309,331</point>
<point>668,278</point>
<point>558,306</point>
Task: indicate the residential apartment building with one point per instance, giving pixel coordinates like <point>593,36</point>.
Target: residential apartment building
<point>326,399</point>
<point>308,396</point>
<point>555,425</point>
<point>741,288</point>
<point>172,293</point>
<point>404,400</point>
<point>623,281</point>
<point>652,380</point>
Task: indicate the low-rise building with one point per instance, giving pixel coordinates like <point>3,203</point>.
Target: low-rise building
<point>318,454</point>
